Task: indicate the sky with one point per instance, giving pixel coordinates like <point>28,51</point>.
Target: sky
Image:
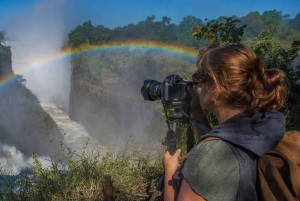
<point>114,13</point>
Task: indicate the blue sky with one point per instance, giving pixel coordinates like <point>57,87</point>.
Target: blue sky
<point>113,13</point>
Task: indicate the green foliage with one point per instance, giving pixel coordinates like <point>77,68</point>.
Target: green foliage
<point>220,33</point>
<point>163,31</point>
<point>188,23</point>
<point>1,36</point>
<point>295,23</point>
<point>77,37</point>
<point>275,56</point>
<point>254,23</point>
<point>97,67</point>
<point>5,53</point>
<point>272,17</point>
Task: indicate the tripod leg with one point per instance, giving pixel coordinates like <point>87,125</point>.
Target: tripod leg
<point>158,189</point>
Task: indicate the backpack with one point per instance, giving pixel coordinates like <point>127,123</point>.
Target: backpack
<point>279,170</point>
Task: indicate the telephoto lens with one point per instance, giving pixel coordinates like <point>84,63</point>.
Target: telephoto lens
<point>151,90</point>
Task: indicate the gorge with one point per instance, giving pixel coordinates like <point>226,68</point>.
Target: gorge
<point>107,104</point>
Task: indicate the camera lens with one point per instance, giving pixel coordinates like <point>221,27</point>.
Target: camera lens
<point>151,90</point>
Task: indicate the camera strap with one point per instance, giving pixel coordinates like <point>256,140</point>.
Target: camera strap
<point>196,123</point>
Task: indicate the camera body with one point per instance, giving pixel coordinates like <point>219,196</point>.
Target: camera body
<point>172,91</point>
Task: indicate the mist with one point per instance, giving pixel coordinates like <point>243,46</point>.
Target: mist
<point>13,161</point>
<point>36,35</point>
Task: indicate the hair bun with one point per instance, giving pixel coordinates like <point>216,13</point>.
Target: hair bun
<point>273,77</point>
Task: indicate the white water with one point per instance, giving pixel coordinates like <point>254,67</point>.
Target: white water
<point>13,161</point>
<point>75,135</point>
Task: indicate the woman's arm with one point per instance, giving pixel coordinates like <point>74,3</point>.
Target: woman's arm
<point>170,185</point>
<point>196,111</point>
<point>186,193</point>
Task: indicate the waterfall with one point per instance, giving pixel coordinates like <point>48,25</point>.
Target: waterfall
<point>75,136</point>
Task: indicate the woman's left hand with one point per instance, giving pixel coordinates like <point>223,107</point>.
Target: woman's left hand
<point>171,162</point>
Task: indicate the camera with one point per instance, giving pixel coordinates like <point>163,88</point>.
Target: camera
<point>172,92</point>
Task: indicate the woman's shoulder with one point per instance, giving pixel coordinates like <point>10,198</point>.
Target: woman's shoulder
<point>214,153</point>
<point>212,163</point>
<point>213,146</point>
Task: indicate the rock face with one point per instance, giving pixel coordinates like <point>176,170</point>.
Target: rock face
<point>5,62</point>
<point>23,122</point>
<point>106,98</point>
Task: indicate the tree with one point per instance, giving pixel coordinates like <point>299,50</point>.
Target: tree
<point>272,17</point>
<point>87,29</point>
<point>220,33</point>
<point>167,33</point>
<point>20,80</point>
<point>188,22</point>
<point>1,36</point>
<point>99,35</point>
<point>77,37</point>
<point>150,19</point>
<point>295,23</point>
<point>166,20</point>
<point>254,23</point>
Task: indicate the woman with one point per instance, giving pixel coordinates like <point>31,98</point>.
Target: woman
<point>234,85</point>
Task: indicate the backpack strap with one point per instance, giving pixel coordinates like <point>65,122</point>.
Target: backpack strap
<point>209,139</point>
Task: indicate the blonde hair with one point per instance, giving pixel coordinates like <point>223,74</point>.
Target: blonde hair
<point>241,80</point>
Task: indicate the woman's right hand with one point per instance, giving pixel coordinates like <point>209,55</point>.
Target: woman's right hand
<point>195,103</point>
<point>196,111</point>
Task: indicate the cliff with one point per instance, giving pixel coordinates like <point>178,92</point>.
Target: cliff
<point>5,62</point>
<point>23,122</point>
<point>106,98</point>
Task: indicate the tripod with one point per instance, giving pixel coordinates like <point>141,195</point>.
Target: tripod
<point>171,141</point>
<point>178,114</point>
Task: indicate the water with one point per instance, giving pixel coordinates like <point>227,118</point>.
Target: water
<point>75,136</point>
<point>15,165</point>
<point>75,139</point>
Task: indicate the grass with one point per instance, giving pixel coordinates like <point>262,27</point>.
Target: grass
<point>78,177</point>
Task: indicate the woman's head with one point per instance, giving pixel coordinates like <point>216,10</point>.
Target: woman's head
<point>238,77</point>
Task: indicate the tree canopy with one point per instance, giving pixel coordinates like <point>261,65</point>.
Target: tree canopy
<point>165,31</point>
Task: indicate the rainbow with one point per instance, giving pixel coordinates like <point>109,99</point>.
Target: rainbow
<point>172,49</point>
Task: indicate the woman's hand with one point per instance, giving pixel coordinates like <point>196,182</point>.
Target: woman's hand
<point>196,111</point>
<point>195,103</point>
<point>171,162</point>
